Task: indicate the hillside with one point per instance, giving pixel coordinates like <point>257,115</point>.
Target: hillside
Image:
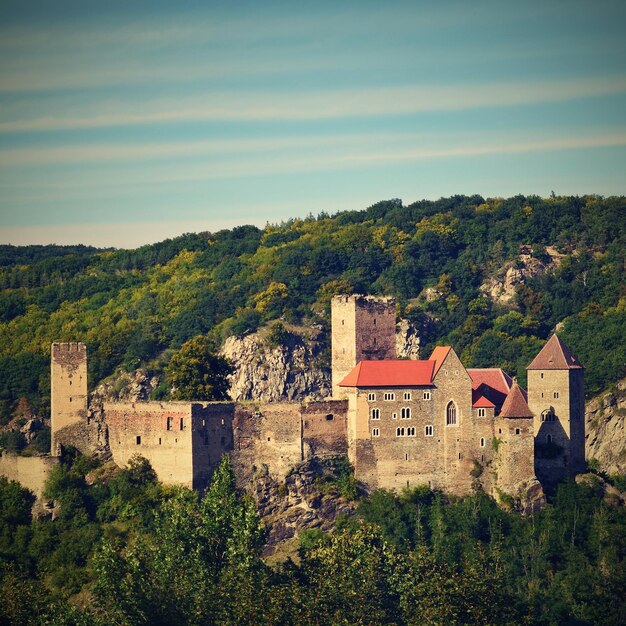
<point>557,261</point>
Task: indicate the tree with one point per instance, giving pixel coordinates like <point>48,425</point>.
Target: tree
<point>197,372</point>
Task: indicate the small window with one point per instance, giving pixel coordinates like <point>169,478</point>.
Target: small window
<point>407,395</point>
<point>375,432</point>
<point>169,423</point>
<point>405,413</point>
<point>481,412</point>
<point>517,431</point>
<point>389,396</point>
<point>138,440</point>
<point>542,394</point>
<point>371,397</point>
<point>460,456</point>
<point>541,374</point>
<point>428,430</point>
<point>203,423</point>
<point>482,442</point>
<point>182,423</point>
<point>399,432</point>
<point>456,372</point>
<point>343,322</point>
<point>445,372</point>
<point>374,321</point>
<point>394,416</point>
<point>375,414</point>
<point>556,394</point>
<point>411,431</point>
<point>426,395</point>
<point>159,440</point>
<point>406,456</point>
<point>549,438</point>
<point>329,418</point>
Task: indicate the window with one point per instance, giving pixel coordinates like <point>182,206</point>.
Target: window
<point>389,396</point>
<point>405,413</point>
<point>451,414</point>
<point>482,442</point>
<point>138,440</point>
<point>549,438</point>
<point>407,395</point>
<point>182,423</point>
<point>410,431</point>
<point>556,394</point>
<point>375,432</point>
<point>481,412</point>
<point>394,416</point>
<point>169,423</point>
<point>399,432</point>
<point>375,414</point>
<point>517,431</point>
<point>374,321</point>
<point>371,397</point>
<point>426,395</point>
<point>329,418</point>
<point>428,430</point>
<point>541,374</point>
<point>159,440</point>
<point>406,456</point>
<point>547,415</point>
<point>343,322</point>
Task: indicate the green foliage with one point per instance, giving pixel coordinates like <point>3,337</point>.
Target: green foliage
<point>12,441</point>
<point>196,372</point>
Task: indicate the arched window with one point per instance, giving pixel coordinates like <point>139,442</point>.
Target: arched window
<point>405,414</point>
<point>375,414</point>
<point>451,414</point>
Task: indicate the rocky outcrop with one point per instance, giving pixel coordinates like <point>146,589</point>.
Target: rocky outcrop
<point>501,287</point>
<point>294,370</point>
<point>124,386</point>
<point>605,425</point>
<point>407,341</point>
<point>299,503</point>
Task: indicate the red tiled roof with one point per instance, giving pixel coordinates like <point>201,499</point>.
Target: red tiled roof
<point>439,356</point>
<point>555,355</point>
<point>480,402</point>
<point>389,373</point>
<point>493,377</point>
<point>516,404</point>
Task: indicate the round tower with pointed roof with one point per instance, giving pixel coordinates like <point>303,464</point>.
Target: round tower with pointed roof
<point>556,396</point>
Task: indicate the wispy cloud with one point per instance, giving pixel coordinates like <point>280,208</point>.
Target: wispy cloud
<point>257,106</point>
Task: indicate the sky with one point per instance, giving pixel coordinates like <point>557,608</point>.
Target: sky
<point>125,123</point>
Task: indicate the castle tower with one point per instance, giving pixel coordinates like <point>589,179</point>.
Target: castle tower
<point>68,382</point>
<point>556,396</point>
<point>363,328</point>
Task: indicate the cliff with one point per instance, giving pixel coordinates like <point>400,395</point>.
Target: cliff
<point>605,439</point>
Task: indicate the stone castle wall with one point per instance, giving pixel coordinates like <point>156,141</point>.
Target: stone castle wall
<point>30,471</point>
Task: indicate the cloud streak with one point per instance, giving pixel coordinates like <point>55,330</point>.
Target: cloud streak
<point>319,105</point>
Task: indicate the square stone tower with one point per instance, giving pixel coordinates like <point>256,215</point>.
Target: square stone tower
<point>363,329</point>
<point>556,397</point>
<point>68,382</point>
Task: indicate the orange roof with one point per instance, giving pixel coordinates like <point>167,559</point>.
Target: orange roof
<point>555,355</point>
<point>439,356</point>
<point>480,402</point>
<point>491,383</point>
<point>516,404</point>
<point>389,373</point>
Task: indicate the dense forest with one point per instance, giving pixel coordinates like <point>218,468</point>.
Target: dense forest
<point>127,550</point>
<point>137,307</point>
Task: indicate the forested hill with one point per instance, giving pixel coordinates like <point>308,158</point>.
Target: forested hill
<point>130,306</point>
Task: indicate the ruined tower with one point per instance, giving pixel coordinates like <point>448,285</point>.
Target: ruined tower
<point>556,396</point>
<point>363,328</point>
<point>68,382</point>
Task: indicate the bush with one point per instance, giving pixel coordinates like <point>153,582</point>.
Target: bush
<point>12,441</point>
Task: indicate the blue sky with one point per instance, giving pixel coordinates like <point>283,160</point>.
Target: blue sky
<point>123,123</point>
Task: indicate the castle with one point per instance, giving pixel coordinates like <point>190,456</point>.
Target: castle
<point>402,423</point>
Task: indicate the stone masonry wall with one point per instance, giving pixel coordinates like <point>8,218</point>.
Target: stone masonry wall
<point>30,471</point>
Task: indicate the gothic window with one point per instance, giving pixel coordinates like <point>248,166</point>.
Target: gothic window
<point>481,412</point>
<point>428,430</point>
<point>375,414</point>
<point>371,397</point>
<point>375,432</point>
<point>411,431</point>
<point>451,414</point>
<point>407,395</point>
<point>389,396</point>
<point>426,395</point>
<point>399,432</point>
<point>405,413</point>
<point>547,415</point>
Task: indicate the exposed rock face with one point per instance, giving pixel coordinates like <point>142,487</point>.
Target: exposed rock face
<point>605,438</point>
<point>407,341</point>
<point>288,508</point>
<point>502,287</point>
<point>296,370</point>
<point>134,386</point>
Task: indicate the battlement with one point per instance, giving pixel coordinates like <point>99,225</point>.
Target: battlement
<point>72,346</point>
<point>363,300</point>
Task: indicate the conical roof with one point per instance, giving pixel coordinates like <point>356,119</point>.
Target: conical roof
<point>555,355</point>
<point>515,404</point>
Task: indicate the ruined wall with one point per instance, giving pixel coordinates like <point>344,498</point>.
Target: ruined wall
<point>515,462</point>
<point>159,431</point>
<point>68,391</point>
<point>30,471</point>
<point>324,428</point>
<point>363,328</point>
